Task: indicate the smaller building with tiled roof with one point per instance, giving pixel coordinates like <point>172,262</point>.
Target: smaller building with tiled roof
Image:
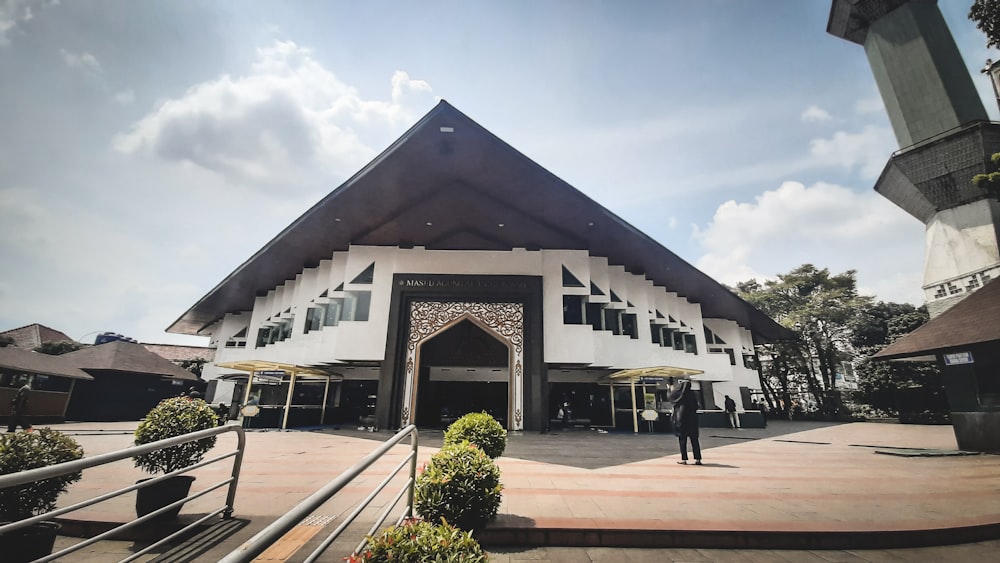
<point>34,335</point>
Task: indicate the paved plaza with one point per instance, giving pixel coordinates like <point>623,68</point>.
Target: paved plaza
<point>796,491</point>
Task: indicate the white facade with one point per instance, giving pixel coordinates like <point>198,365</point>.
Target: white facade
<point>577,345</point>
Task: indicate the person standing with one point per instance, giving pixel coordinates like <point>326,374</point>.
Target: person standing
<point>734,417</point>
<point>684,420</point>
<point>17,407</point>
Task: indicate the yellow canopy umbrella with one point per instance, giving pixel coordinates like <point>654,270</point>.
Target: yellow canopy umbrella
<point>633,374</point>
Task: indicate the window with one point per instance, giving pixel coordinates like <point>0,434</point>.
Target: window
<point>630,326</point>
<point>690,344</point>
<point>314,319</point>
<point>569,280</point>
<point>612,321</point>
<point>573,310</point>
<point>595,315</point>
<point>263,337</point>
<point>356,306</point>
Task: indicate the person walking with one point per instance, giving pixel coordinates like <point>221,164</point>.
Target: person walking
<point>684,420</point>
<point>734,417</point>
<point>17,407</point>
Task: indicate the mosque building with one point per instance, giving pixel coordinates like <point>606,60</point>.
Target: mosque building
<point>453,274</point>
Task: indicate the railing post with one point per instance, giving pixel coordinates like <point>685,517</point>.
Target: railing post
<point>413,473</point>
<point>237,466</point>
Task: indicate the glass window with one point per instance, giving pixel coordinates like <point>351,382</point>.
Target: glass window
<point>314,319</point>
<point>573,308</point>
<point>356,306</point>
<point>332,314</point>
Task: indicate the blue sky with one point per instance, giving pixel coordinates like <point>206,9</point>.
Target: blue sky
<point>149,148</point>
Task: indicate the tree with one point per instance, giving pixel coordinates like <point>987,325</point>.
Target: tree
<point>986,14</point>
<point>58,348</point>
<point>194,365</point>
<point>819,307</point>
<point>911,390</point>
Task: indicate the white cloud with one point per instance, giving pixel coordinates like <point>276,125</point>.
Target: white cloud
<point>815,114</point>
<point>14,12</point>
<point>290,121</point>
<point>869,105</point>
<point>827,225</point>
<point>124,97</point>
<point>84,62</point>
<point>867,150</point>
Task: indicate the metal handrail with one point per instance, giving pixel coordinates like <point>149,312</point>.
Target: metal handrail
<point>59,469</point>
<point>274,531</point>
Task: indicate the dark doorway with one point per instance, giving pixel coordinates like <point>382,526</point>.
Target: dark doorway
<point>462,370</point>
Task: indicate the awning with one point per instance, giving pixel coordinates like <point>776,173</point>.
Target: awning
<point>633,374</point>
<point>264,366</point>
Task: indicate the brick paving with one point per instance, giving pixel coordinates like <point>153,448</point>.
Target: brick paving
<point>822,492</point>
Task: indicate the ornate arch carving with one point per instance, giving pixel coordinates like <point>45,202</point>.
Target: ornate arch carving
<point>505,321</point>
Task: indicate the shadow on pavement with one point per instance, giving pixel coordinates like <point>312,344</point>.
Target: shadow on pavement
<point>588,449</point>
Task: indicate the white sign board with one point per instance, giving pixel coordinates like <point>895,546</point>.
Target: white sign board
<point>958,359</point>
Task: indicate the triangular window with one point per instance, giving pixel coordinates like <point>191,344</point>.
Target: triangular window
<point>629,303</point>
<point>339,287</point>
<point>241,334</point>
<point>614,297</point>
<point>367,276</point>
<point>594,290</point>
<point>324,293</point>
<point>569,280</point>
<point>659,315</point>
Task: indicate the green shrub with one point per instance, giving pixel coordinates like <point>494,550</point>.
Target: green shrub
<point>175,417</point>
<point>21,451</point>
<point>461,484</point>
<point>482,430</point>
<point>417,541</point>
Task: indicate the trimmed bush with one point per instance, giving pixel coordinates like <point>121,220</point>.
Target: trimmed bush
<point>418,541</point>
<point>482,430</point>
<point>21,451</point>
<point>175,417</point>
<point>461,484</point>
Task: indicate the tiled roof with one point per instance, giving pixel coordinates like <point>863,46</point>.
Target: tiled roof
<point>15,359</point>
<point>126,357</point>
<point>177,353</point>
<point>33,335</point>
<point>973,320</point>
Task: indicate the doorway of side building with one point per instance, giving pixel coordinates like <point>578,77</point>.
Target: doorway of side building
<point>463,369</point>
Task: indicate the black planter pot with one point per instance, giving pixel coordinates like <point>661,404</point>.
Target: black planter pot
<point>154,497</point>
<point>28,544</point>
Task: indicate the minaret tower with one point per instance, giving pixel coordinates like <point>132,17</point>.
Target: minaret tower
<point>944,135</point>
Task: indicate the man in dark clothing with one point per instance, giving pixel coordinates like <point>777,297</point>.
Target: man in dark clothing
<point>17,407</point>
<point>734,417</point>
<point>685,420</point>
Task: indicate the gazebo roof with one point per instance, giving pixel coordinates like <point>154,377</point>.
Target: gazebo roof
<point>449,184</point>
<point>973,320</point>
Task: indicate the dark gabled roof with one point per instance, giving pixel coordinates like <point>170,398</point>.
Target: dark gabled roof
<point>126,357</point>
<point>449,184</point>
<point>973,320</point>
<point>15,359</point>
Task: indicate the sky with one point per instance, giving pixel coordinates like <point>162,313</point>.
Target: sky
<point>149,148</point>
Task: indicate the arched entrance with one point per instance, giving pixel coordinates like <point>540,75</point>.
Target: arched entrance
<point>430,319</point>
<point>463,369</point>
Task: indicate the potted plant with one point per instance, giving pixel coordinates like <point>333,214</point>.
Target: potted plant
<point>22,451</point>
<point>172,417</point>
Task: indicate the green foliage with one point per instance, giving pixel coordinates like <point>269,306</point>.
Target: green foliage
<point>21,451</point>
<point>417,541</point>
<point>58,348</point>
<point>986,14</point>
<point>819,307</point>
<point>461,484</point>
<point>482,430</point>
<point>175,417</point>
